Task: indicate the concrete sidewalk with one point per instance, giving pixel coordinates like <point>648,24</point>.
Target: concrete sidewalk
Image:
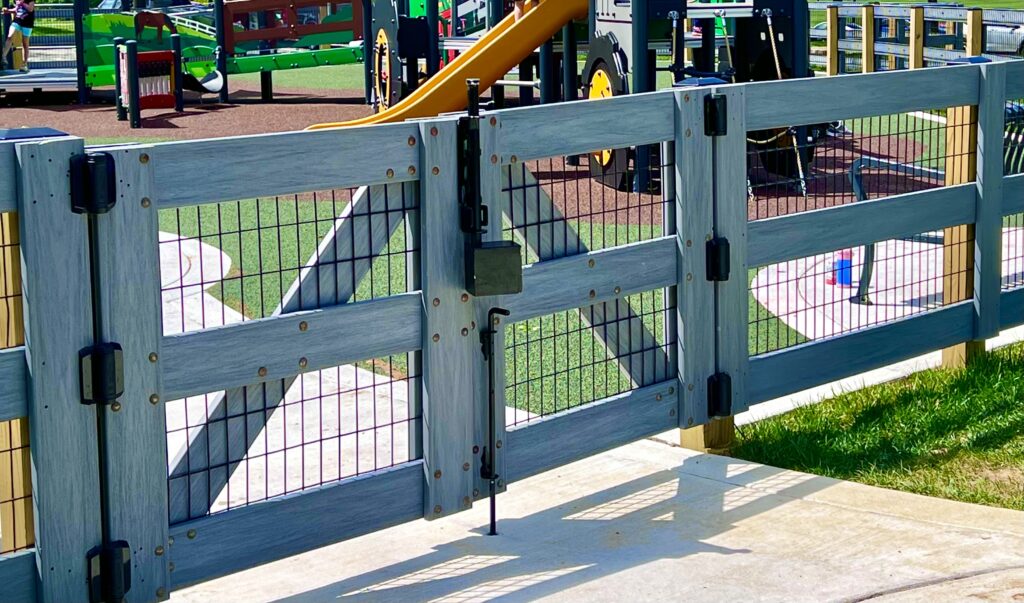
<point>652,522</point>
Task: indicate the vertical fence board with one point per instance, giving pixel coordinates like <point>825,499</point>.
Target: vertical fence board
<point>58,323</point>
<point>988,229</point>
<point>730,153</point>
<point>449,343</point>
<point>492,171</point>
<point>694,226</point>
<point>129,276</point>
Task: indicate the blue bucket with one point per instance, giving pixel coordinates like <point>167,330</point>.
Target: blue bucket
<point>843,268</point>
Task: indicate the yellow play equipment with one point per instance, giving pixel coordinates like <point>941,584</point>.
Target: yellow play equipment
<point>489,59</point>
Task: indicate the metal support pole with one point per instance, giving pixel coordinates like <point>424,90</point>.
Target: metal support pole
<point>433,40</point>
<point>134,112</point>
<point>548,84</point>
<point>705,59</point>
<point>498,96</point>
<point>267,86</point>
<point>177,73</point>
<point>119,99</point>
<point>495,13</point>
<point>642,82</point>
<point>368,50</point>
<point>81,8</point>
<point>570,76</point>
<point>222,55</point>
<point>526,75</point>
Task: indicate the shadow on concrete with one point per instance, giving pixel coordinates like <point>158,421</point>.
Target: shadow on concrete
<point>669,514</point>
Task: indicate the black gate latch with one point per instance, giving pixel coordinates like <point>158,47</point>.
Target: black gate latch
<point>715,115</point>
<point>110,572</point>
<point>718,263</point>
<point>93,184</point>
<point>719,395</point>
<point>101,373</point>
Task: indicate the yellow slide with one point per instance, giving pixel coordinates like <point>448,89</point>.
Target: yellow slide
<point>488,60</point>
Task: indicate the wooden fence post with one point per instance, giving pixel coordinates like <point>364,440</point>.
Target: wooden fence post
<point>16,529</point>
<point>58,323</point>
<point>695,310</point>
<point>959,241</point>
<point>130,314</point>
<point>833,35</point>
<point>867,41</point>
<point>916,37</point>
<point>450,343</point>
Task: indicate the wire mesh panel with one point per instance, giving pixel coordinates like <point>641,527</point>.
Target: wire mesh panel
<point>568,359</point>
<point>16,525</point>
<point>559,207</point>
<point>1013,225</point>
<point>562,207</point>
<point>847,162</point>
<point>233,262</point>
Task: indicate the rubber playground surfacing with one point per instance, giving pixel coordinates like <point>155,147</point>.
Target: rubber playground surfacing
<point>292,109</point>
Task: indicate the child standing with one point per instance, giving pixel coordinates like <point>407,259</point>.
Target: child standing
<point>24,12</point>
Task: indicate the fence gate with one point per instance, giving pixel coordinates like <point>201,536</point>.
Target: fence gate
<point>281,353</point>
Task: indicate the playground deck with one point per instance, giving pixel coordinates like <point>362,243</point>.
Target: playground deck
<point>38,79</point>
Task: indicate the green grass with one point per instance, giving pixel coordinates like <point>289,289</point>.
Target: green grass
<point>953,434</point>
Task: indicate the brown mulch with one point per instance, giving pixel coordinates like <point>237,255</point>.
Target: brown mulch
<point>292,109</point>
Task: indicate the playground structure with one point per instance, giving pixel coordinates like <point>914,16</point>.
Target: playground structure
<point>231,37</point>
<point>327,381</point>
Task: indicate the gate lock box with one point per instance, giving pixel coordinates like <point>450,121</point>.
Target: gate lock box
<point>494,268</point>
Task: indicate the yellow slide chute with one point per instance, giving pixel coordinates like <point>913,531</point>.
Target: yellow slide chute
<point>494,55</point>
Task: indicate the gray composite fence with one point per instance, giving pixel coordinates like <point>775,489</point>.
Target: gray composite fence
<point>302,364</point>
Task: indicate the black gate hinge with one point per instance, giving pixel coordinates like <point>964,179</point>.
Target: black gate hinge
<point>718,262</point>
<point>719,395</point>
<point>101,373</point>
<point>110,572</point>
<point>93,183</point>
<point>715,115</point>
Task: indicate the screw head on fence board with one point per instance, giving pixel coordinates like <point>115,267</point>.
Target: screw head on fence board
<point>390,173</point>
<point>436,302</point>
<point>170,540</point>
<point>515,159</point>
<point>435,171</point>
<point>498,444</point>
<point>170,566</point>
<point>689,276</point>
<point>658,397</point>
<point>494,159</point>
<point>262,372</point>
<point>593,294</point>
<point>465,466</point>
<point>437,509</point>
<point>144,158</point>
<point>161,593</point>
<point>465,297</point>
<point>433,131</point>
<point>672,412</point>
<point>159,551</point>
<point>116,406</point>
<point>476,493</point>
<point>465,331</point>
<point>591,263</point>
<point>437,474</point>
<point>153,357</point>
<point>690,387</point>
<point>436,338</point>
<point>476,450</point>
<point>689,421</point>
<point>303,363</point>
<point>412,141</point>
<point>689,243</point>
<point>618,290</point>
<point>191,534</point>
<point>688,132</point>
<point>303,326</point>
<point>686,98</point>
<point>412,170</point>
<point>671,390</point>
<point>145,202</point>
<point>154,399</point>
<point>494,121</point>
